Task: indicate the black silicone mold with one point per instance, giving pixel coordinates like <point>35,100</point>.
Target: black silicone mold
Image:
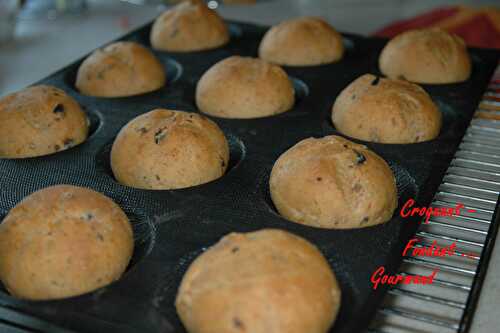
<point>183,223</point>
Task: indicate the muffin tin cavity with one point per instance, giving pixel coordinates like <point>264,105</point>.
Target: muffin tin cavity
<point>349,45</point>
<point>165,293</point>
<point>449,117</point>
<point>407,189</point>
<point>235,31</point>
<point>237,153</point>
<point>301,89</point>
<point>144,237</point>
<point>95,121</point>
<point>173,69</point>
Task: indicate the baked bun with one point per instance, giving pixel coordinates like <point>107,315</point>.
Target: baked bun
<point>388,111</point>
<point>189,26</point>
<point>244,87</point>
<point>120,69</point>
<point>40,120</point>
<point>165,149</point>
<point>426,56</point>
<point>333,183</point>
<point>63,241</point>
<point>304,41</point>
<point>260,282</point>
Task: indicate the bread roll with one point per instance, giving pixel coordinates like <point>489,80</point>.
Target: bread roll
<point>333,183</point>
<point>63,241</point>
<point>304,41</point>
<point>259,282</point>
<point>244,87</point>
<point>120,69</point>
<point>40,120</point>
<point>189,26</point>
<point>388,111</point>
<point>166,149</point>
<point>426,56</point>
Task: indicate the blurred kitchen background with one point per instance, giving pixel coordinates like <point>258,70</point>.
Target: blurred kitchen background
<point>38,37</point>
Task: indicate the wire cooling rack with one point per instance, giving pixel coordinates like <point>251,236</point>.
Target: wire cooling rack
<point>473,179</point>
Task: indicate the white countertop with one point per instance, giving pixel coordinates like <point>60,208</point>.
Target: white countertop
<point>41,47</point>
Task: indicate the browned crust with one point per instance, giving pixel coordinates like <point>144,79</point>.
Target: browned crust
<point>304,41</point>
<point>333,183</point>
<point>260,282</point>
<point>244,87</point>
<point>63,241</point>
<point>40,120</point>
<point>189,26</point>
<point>166,149</point>
<point>430,55</point>
<point>388,111</point>
<point>120,69</point>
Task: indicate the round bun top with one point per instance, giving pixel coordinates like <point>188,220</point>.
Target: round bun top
<point>431,56</point>
<point>387,111</point>
<point>189,26</point>
<point>333,183</point>
<point>40,120</point>
<point>304,41</point>
<point>225,288</point>
<point>171,149</point>
<point>244,87</point>
<point>120,69</point>
<point>63,241</point>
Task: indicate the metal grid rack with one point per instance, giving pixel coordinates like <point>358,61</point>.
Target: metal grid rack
<point>473,178</point>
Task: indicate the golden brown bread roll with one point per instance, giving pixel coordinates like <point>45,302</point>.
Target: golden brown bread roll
<point>260,282</point>
<point>166,149</point>
<point>244,87</point>
<point>63,241</point>
<point>40,120</point>
<point>189,26</point>
<point>333,183</point>
<point>388,111</point>
<point>429,55</point>
<point>120,69</point>
<point>304,41</point>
